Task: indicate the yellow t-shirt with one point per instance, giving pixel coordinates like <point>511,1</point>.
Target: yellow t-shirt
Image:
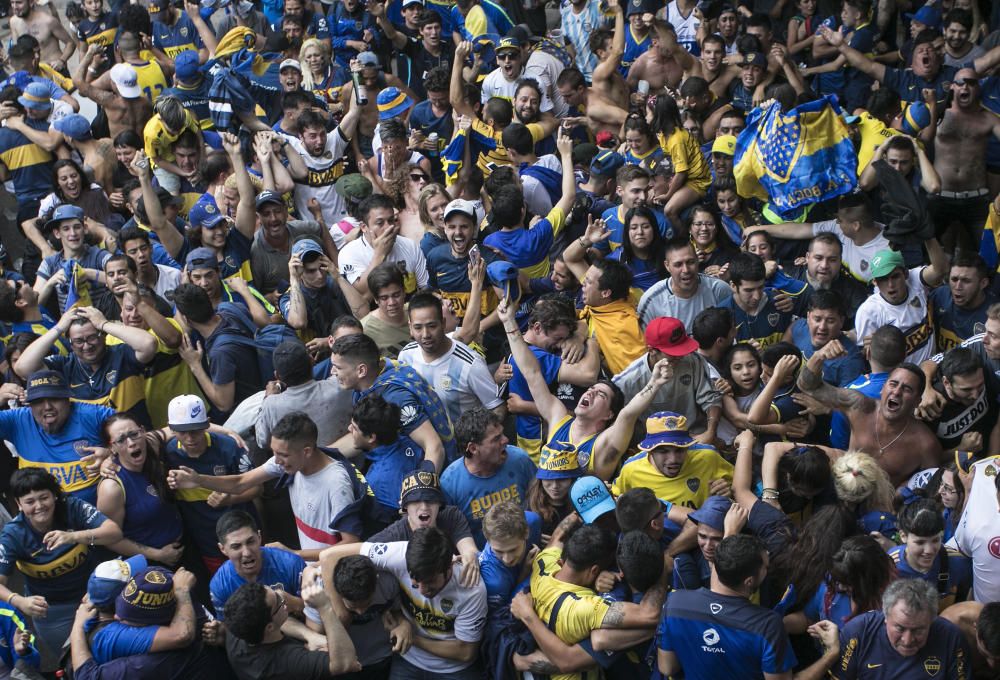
<point>873,134</point>
<point>151,80</point>
<point>689,488</point>
<point>158,141</point>
<point>687,157</point>
<point>575,610</point>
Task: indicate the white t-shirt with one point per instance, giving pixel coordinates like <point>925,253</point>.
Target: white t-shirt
<point>459,376</point>
<point>857,259</point>
<point>316,500</point>
<point>909,317</point>
<point>536,196</point>
<point>545,69</point>
<point>168,279</point>
<point>686,28</point>
<point>357,255</point>
<point>455,613</point>
<point>323,173</point>
<point>495,85</point>
<point>978,532</point>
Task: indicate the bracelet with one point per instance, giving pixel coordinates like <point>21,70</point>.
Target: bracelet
<point>583,243</point>
<point>101,327</point>
<point>91,533</point>
<point>767,489</point>
<point>10,598</point>
<point>769,497</point>
<point>513,332</point>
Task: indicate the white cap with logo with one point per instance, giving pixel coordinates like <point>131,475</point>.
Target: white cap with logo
<point>187,412</point>
<point>126,80</point>
<point>460,205</point>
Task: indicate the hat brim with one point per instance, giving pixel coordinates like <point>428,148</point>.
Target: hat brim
<point>274,199</point>
<point>676,439</point>
<point>882,275</point>
<point>425,494</point>
<point>47,392</point>
<point>189,427</point>
<point>558,474</point>
<point>213,221</point>
<point>397,110</point>
<point>34,105</point>
<point>591,515</point>
<point>458,212</point>
<point>681,349</point>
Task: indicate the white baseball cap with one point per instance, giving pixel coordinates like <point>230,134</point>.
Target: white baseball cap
<point>290,63</point>
<point>460,205</point>
<point>126,80</point>
<point>187,412</point>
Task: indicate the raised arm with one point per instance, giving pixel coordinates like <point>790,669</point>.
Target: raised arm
<point>339,648</point>
<point>186,478</point>
<point>854,57</point>
<point>575,255</point>
<point>456,90</point>
<point>811,382</point>
<point>607,67</point>
<point>246,216</point>
<point>934,274</point>
<point>743,470</point>
<point>397,39</point>
<point>167,233</point>
<point>141,342</point>
<point>33,357</point>
<point>760,411</point>
<point>565,145</point>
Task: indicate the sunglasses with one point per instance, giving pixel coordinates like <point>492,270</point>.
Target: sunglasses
<point>280,603</point>
<point>506,56</point>
<point>418,177</point>
<point>971,82</point>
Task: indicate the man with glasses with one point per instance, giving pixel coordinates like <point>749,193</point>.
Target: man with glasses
<point>110,375</point>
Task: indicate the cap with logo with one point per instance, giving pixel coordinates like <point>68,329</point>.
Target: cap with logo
<point>885,262</point>
<point>63,212</point>
<point>109,579</point>
<point>392,102</point>
<point>186,413</point>
<point>754,59</point>
<point>205,213</point>
<point>606,163</point>
<point>304,246</point>
<point>126,80</point>
<point>712,513</point>
<point>36,97</point>
<point>290,63</point>
<point>460,205</point>
<point>591,498</point>
<point>666,334</point>
<point>266,197</point>
<point>353,188</point>
<point>420,485</point>
<point>637,7</point>
<point>559,461</point>
<point>201,258</point>
<point>148,598</point>
<point>666,428</point>
<point>369,60</point>
<point>47,385</point>
<point>74,126</point>
<point>509,45</point>
<point>726,145</point>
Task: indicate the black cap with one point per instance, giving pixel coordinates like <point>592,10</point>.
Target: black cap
<point>47,384</point>
<point>265,197</point>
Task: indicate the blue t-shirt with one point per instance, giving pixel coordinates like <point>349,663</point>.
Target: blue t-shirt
<point>280,569</point>
<point>614,220</point>
<point>644,272</point>
<point>841,371</point>
<point>118,639</point>
<point>840,429</point>
<point>119,381</point>
<point>525,248</point>
<point>767,326</point>
<point>718,636</point>
<point>908,85</point>
<point>53,451</point>
<point>530,427</point>
<point>474,495</point>
<point>954,580</point>
<point>173,40</point>
<point>691,571</point>
<point>30,165</point>
<point>500,580</point>
<point>388,465</point>
<point>952,324</point>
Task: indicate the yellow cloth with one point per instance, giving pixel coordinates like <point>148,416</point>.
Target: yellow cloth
<point>873,134</point>
<point>159,142</point>
<point>687,157</point>
<point>616,327</point>
<point>689,488</point>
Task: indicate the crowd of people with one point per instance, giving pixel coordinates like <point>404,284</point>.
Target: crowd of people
<point>430,339</point>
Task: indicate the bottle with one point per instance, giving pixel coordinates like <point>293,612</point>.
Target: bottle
<point>433,139</point>
<point>360,91</point>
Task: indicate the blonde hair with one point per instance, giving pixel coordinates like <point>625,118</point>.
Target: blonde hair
<point>426,194</point>
<point>505,520</point>
<point>860,481</point>
<point>307,77</point>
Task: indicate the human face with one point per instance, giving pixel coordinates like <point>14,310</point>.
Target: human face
<point>510,550</point>
<point>956,36</point>
<point>193,441</point>
<point>186,159</point>
<point>557,490</point>
<point>315,60</point>
<point>130,312</point>
<point>921,551</point>
<point>731,126</point>
<point>668,460</point>
<point>348,375</point>
<point>708,541</point>
<point>118,276</point>
<point>693,129</point>
<point>242,548</point>
<point>208,280</point>
<point>459,231</point>
<point>71,234</point>
<point>640,233</point>
<point>87,342</point>
<point>421,514</point>
<point>967,286</point>
<point>314,140</point>
<point>21,8</point>
<point>682,265</point>
<point>638,143</point>
<point>23,293</point>
<point>379,220</point>
<point>140,253</point>
<point>900,395</point>
<point>418,179</point>
<point>723,164</point>
<point>965,389</point>
<point>509,62</point>
<point>948,491</point>
<point>849,16</point>
<point>728,24</point>
<point>39,508</point>
<point>435,209</point>
<point>431,33</point>
<point>592,293</point>
<point>991,338</point>
<point>807,7</point>
<point>907,630</point>
<point>273,219</point>
<point>313,274</point>
<point>51,414</point>
<point>634,193</point>
<point>432,585</point>
<point>900,160</point>
<point>823,263</point>
<point>703,229</point>
<point>395,151</point>
<point>573,96</point>
<point>745,371</point>
<point>291,79</point>
<point>758,245</point>
<point>92,8</point>
<point>69,181</point>
<point>749,294</point>
<point>824,325</point>
<point>427,328</point>
<point>966,88</point>
<point>551,340</point>
<point>125,154</point>
<point>277,606</point>
<point>893,288</point>
<point>926,61</point>
<point>561,276</point>
<point>492,449</point>
<point>595,403</point>
<point>438,100</point>
<point>763,35</point>
<point>711,56</point>
<point>750,76</point>
<point>527,105</point>
<point>390,300</point>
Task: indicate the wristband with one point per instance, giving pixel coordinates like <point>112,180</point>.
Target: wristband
<point>10,598</point>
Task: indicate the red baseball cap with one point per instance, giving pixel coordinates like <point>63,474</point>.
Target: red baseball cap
<point>667,335</point>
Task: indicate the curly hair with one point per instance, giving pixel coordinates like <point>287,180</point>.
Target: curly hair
<point>397,185</point>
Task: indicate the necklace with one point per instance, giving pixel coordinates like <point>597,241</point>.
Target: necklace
<point>881,448</point>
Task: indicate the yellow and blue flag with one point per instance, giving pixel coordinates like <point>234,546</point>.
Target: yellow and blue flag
<point>989,245</point>
<point>77,285</point>
<point>796,158</point>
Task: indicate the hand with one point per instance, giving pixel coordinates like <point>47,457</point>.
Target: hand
<point>662,373</point>
<point>217,499</point>
<point>464,122</point>
<point>384,242</point>
<point>779,53</point>
<point>477,271</point>
<point>316,642</point>
<point>110,467</point>
<point>315,209</point>
<point>833,38</point>
<point>139,166</point>
<point>506,311</point>
<point>93,315</point>
<point>810,405</point>
<point>723,386</point>
<point>797,428</point>
<point>564,142</point>
<point>503,373</point>
<point>521,607</point>
<point>184,580</point>
<point>117,199</point>
<point>971,441</point>
<point>190,354</point>
<point>832,350</point>
<point>745,440</point>
<point>783,302</point>
<point>931,405</point>
<point>313,593</point>
<point>597,230</point>
<point>720,487</point>
<point>22,642</point>
<point>169,554</point>
<point>401,636</point>
<point>182,478</point>
<point>274,387</point>
<point>9,112</point>
<point>231,144</point>
<point>827,633</point>
<point>278,545</point>
<point>736,519</point>
<point>295,267</point>
<point>213,633</point>
<point>470,569</point>
<point>93,50</point>
<point>85,612</point>
<point>55,539</point>
<point>262,147</point>
<point>10,391</point>
<point>94,460</point>
<point>377,9</point>
<point>462,51</point>
<point>882,540</point>
<point>785,368</point>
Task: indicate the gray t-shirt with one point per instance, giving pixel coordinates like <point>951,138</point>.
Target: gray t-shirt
<point>689,392</point>
<point>270,266</point>
<point>660,300</point>
<point>324,401</point>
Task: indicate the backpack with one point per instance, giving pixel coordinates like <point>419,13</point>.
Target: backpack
<point>262,340</point>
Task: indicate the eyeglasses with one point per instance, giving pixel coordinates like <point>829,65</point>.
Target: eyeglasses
<point>418,177</point>
<point>971,82</point>
<point>506,56</point>
<point>281,603</point>
<point>703,224</point>
<point>89,340</point>
<point>131,435</point>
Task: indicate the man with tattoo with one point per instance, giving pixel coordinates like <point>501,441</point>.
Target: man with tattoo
<point>886,428</point>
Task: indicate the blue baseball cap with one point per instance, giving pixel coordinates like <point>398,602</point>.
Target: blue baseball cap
<point>74,126</point>
<point>201,258</point>
<point>666,428</point>
<point>63,212</point>
<point>606,163</point>
<point>205,213</point>
<point>504,275</point>
<point>591,498</point>
<point>712,513</point>
<point>754,59</point>
<point>926,15</point>
<point>186,65</point>
<point>47,384</point>
<point>109,579</point>
<point>306,245</point>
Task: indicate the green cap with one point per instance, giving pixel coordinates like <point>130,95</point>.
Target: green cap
<point>353,188</point>
<point>885,262</point>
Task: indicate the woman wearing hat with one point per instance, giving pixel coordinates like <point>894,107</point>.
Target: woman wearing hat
<point>548,495</point>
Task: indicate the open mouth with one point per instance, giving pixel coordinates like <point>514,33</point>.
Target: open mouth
<point>892,405</point>
<point>424,517</point>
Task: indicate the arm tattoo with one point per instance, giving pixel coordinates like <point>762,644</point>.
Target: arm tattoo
<point>544,667</point>
<point>829,395</point>
<point>614,617</point>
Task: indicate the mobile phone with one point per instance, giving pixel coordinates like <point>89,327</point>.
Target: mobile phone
<point>474,254</point>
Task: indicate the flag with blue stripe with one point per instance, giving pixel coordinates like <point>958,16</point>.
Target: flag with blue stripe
<point>797,158</point>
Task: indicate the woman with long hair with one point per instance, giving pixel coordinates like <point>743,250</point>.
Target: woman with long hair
<point>137,497</point>
<point>946,486</point>
<point>711,244</point>
<point>799,476</point>
<point>692,176</point>
<point>72,187</point>
<point>640,147</point>
<point>403,186</point>
<point>734,212</point>
<point>431,202</point>
<point>643,248</point>
<point>320,73</point>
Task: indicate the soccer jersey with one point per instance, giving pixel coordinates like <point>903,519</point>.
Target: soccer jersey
<point>577,28</point>
<point>687,157</point>
<point>158,142</point>
<point>635,47</point>
<point>766,326</point>
<point>562,440</point>
<point>55,452</point>
<point>865,652</point>
<point>957,419</point>
<point>855,259</point>
<point>58,575</point>
<point>173,40</point>
<point>910,316</point>
<point>950,572</point>
<point>280,569</point>
<point>30,165</point>
<point>454,613</point>
<point>496,85</point>
<point>689,488</point>
<point>324,171</point>
<point>92,258</point>
<point>685,26</point>
<point>194,98</point>
<point>978,531</point>
<point>459,376</point>
<point>840,371</point>
<point>614,221</point>
<point>357,255</point>
<point>874,134</point>
<point>952,324</point>
<point>721,636</point>
<point>450,275</point>
<point>528,249</point>
<point>119,381</point>
<point>572,612</point>
<point>152,82</point>
<point>100,31</point>
<point>529,428</point>
<point>149,519</point>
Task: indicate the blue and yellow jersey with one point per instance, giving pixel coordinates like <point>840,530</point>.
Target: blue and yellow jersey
<point>487,147</point>
<point>647,160</point>
<point>328,89</point>
<point>529,428</point>
<point>450,275</point>
<point>952,324</point>
<point>687,157</point>
<point>30,165</point>
<point>528,249</point>
<point>561,440</point>
<point>151,80</point>
<point>119,382</point>
<point>767,326</point>
<point>100,31</point>
<point>195,99</point>
<point>614,220</point>
<point>689,488</point>
<point>951,573</point>
<point>172,40</point>
<point>39,328</point>
<point>59,79</point>
<point>59,575</point>
<point>635,47</point>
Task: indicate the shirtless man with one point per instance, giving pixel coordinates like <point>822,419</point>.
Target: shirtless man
<point>607,81</point>
<point>599,113</point>
<point>960,161</point>
<point>374,81</point>
<point>710,65</point>
<point>657,65</point>
<point>886,428</point>
<point>980,625</point>
<point>46,29</point>
<point>124,113</point>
